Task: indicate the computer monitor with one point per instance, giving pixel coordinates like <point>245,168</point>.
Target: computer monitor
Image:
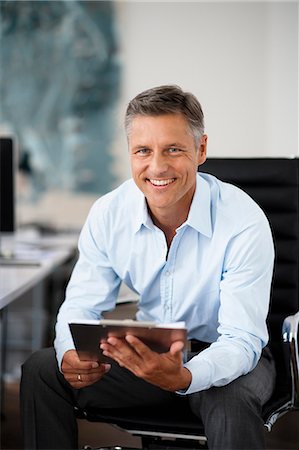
<point>7,186</point>
<point>10,254</point>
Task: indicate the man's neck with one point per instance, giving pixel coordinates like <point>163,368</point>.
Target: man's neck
<point>168,223</point>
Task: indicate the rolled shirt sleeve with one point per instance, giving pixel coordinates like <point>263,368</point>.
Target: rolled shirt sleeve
<point>244,302</point>
<point>93,286</point>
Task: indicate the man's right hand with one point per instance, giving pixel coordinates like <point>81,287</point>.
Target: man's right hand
<point>80,374</point>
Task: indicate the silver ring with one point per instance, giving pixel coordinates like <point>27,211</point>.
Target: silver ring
<point>79,377</point>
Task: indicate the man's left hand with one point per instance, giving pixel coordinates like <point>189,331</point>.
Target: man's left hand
<point>164,370</point>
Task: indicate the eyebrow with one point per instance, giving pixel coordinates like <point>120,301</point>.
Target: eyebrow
<point>174,144</point>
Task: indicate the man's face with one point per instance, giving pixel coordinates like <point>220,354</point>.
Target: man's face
<point>164,161</point>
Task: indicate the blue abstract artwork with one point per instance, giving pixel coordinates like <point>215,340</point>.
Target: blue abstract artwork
<point>59,87</point>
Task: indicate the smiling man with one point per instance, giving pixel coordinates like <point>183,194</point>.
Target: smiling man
<point>196,250</point>
<point>164,160</point>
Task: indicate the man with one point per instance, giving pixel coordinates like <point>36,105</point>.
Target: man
<point>195,249</point>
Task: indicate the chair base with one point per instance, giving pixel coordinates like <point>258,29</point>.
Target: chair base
<point>160,443</point>
<point>114,447</point>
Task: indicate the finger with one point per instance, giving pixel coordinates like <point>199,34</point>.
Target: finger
<point>122,353</point>
<point>176,348</point>
<point>71,361</point>
<point>82,366</point>
<point>86,378</point>
<point>140,348</point>
<point>82,384</point>
<point>145,352</point>
<point>73,370</point>
<point>119,355</point>
<point>109,349</point>
<point>82,379</point>
<point>87,375</point>
<point>117,348</point>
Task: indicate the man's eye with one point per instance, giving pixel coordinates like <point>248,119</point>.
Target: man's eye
<point>174,150</point>
<point>142,151</point>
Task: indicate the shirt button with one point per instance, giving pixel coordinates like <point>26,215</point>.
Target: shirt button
<point>167,273</point>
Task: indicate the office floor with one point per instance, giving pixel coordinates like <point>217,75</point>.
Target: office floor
<point>284,436</point>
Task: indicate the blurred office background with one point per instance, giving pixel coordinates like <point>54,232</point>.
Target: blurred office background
<point>68,69</point>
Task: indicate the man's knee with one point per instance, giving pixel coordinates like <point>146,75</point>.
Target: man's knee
<point>39,363</point>
<point>234,400</point>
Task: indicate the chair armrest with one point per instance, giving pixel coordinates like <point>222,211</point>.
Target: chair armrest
<point>290,331</point>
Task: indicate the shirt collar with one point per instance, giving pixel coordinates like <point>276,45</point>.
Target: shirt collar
<point>199,216</point>
<point>142,217</point>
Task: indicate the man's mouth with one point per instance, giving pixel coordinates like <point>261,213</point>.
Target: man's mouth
<point>161,182</point>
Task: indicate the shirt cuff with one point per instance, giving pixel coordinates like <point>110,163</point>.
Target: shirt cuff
<point>201,375</point>
<point>60,351</point>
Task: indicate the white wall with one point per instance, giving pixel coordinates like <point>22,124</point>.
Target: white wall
<point>240,59</point>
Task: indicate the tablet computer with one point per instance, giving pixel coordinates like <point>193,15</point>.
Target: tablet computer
<point>88,334</point>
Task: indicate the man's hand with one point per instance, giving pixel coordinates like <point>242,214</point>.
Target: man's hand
<point>80,374</point>
<point>163,370</point>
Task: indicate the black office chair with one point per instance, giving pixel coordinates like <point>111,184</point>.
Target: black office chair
<point>274,185</point>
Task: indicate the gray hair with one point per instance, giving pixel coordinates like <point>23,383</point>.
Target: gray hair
<point>168,99</point>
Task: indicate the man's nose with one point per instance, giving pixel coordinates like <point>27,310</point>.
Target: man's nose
<point>159,163</point>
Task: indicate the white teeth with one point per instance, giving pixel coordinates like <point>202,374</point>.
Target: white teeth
<point>162,182</point>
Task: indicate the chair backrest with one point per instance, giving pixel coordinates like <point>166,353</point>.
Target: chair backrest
<point>274,184</point>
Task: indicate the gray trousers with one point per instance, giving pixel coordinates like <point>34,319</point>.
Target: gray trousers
<point>231,414</point>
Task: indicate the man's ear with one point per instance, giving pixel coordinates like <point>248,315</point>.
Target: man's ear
<point>202,149</point>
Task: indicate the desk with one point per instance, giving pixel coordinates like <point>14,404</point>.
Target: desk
<point>15,280</point>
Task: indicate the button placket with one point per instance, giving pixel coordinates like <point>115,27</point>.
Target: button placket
<point>167,277</point>
<point>166,290</point>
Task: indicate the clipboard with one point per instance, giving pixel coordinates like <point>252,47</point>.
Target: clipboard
<point>88,334</point>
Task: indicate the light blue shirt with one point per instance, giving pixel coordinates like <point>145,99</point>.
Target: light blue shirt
<point>216,276</point>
